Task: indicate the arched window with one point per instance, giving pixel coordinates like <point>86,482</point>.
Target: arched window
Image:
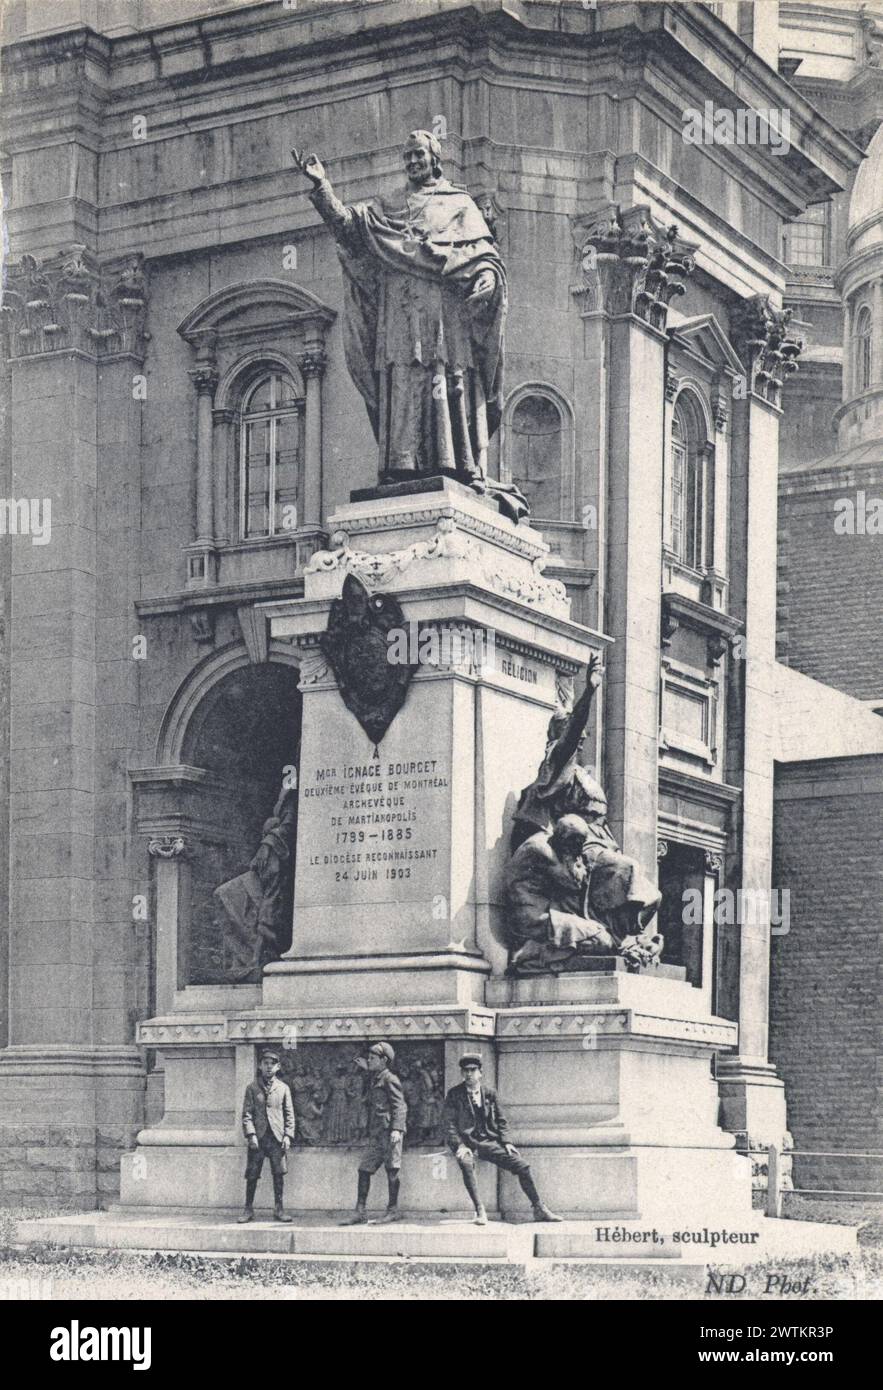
<point>863,348</point>
<point>270,448</point>
<point>536,436</point>
<point>691,517</point>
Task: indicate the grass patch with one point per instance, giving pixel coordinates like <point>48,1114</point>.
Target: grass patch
<point>61,1273</point>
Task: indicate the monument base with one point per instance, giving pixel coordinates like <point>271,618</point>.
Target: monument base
<point>418,979</point>
<point>605,1079</point>
<point>605,1075</point>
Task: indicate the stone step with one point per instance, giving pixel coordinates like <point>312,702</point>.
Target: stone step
<point>404,1240</point>
<point>441,1240</point>
<point>558,1244</point>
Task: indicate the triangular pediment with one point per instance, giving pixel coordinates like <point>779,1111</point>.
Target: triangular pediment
<point>704,339</point>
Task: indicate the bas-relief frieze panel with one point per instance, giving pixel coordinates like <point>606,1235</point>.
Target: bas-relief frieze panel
<point>328,1089</point>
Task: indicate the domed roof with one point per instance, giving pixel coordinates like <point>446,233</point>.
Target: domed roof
<point>867,191</point>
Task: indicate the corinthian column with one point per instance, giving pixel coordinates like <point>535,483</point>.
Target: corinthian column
<point>201,554</point>
<point>312,362</point>
<point>632,268</point>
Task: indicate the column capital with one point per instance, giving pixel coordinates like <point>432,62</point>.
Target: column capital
<point>71,302</point>
<point>204,378</point>
<point>630,263</point>
<point>312,362</point>
<point>762,339</point>
<point>167,847</point>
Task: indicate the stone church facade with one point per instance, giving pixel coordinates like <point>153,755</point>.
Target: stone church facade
<point>175,385</point>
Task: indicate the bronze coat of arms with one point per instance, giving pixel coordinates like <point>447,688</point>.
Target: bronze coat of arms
<point>356,645</point>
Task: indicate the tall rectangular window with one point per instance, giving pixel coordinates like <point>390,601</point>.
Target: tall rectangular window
<point>270,428</point>
<point>807,241</point>
<point>691,500</point>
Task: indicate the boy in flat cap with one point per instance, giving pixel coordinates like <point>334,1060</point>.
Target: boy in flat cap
<point>475,1127</point>
<point>387,1118</point>
<point>268,1125</point>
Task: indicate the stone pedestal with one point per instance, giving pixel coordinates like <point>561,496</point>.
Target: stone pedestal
<point>400,847</point>
<point>605,1075</point>
<point>608,1086</point>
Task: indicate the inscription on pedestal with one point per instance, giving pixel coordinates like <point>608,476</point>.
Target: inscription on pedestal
<point>377,823</point>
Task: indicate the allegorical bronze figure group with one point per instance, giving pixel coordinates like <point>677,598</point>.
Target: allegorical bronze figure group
<point>569,891</point>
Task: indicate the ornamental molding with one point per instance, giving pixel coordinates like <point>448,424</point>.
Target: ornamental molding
<point>549,1022</point>
<point>314,666</point>
<point>454,647</point>
<point>205,380</point>
<point>252,306</point>
<point>500,574</point>
<point>289,1030</point>
<point>70,303</point>
<point>565,670</point>
<point>588,1026</point>
<point>720,408</point>
<point>315,671</point>
<point>484,529</point>
<point>148,1034</point>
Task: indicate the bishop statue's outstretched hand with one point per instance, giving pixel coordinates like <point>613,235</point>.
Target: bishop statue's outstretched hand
<point>309,164</point>
<point>594,671</point>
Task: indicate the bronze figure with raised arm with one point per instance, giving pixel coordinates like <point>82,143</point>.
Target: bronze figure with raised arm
<point>425,307</point>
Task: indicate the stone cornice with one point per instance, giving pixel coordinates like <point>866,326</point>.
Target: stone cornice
<point>211,49</point>
<point>438,516</point>
<point>737,67</point>
<point>713,794</point>
<point>833,477</point>
<point>317,1026</point>
<point>221,596</point>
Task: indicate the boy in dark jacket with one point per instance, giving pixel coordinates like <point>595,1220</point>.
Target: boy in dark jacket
<point>387,1118</point>
<point>475,1127</point>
